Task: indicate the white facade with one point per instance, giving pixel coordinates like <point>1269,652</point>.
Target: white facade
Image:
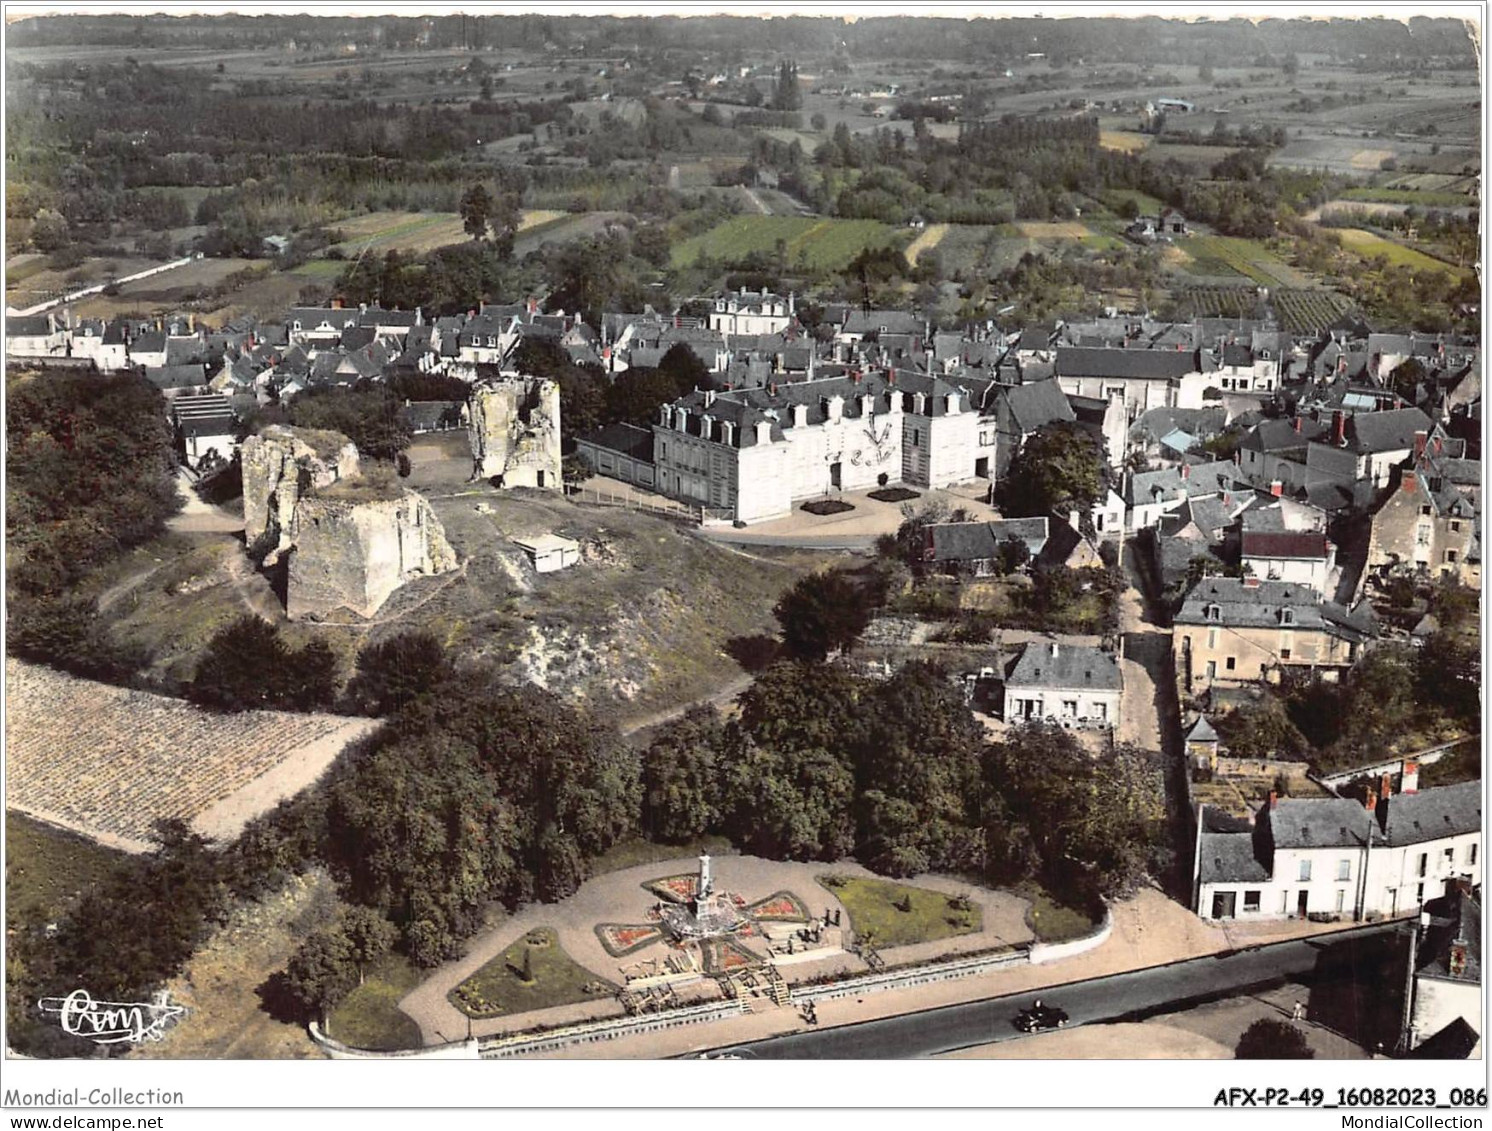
<point>749,313</point>
<point>1358,876</point>
<point>1439,1001</point>
<point>1302,571</point>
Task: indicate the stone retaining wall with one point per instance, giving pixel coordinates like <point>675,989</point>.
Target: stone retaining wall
<point>498,1048</point>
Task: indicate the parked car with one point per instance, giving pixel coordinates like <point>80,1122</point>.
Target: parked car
<point>1040,1017</point>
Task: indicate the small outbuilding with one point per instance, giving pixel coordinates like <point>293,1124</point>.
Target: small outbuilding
<point>549,552</point>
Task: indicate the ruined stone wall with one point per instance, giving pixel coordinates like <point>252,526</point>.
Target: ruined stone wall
<point>280,465</point>
<point>514,430</point>
<point>355,554</point>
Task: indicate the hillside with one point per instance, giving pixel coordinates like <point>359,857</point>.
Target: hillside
<point>606,631</point>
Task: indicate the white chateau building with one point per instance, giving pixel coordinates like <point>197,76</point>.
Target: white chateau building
<point>754,452</point>
<point>747,312</point>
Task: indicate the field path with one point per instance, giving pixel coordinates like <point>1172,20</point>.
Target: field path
<point>756,201</point>
<point>931,236</point>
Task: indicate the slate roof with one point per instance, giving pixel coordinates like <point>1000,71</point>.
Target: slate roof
<point>1387,431</point>
<point>1037,404</point>
<point>1448,810</point>
<point>175,376</point>
<point>628,439</point>
<point>871,321</point>
<point>1248,603</point>
<point>30,326</point>
<point>1146,364</point>
<point>980,541</point>
<point>1318,822</point>
<point>153,341</point>
<point>1281,436</point>
<point>1229,858</point>
<point>1065,667</point>
<point>1201,731</point>
<point>1465,926</point>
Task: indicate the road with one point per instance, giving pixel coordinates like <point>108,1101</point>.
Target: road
<point>1130,996</point>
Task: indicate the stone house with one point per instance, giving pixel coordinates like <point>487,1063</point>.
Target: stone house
<point>748,312</point>
<point>1063,683</point>
<point>1367,446</point>
<point>1338,856</point>
<point>1143,378</point>
<point>1421,530</point>
<point>974,547</point>
<point>38,335</point>
<point>1231,631</point>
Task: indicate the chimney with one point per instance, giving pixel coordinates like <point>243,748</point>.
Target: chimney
<point>1419,445</point>
<point>1186,471</point>
<point>1370,802</point>
<point>1250,581</point>
<point>1296,423</point>
<point>1409,780</point>
<point>1457,960</point>
<point>1276,488</point>
<point>1339,428</point>
<point>336,304</point>
<point>1274,799</point>
<point>1385,786</point>
<point>1408,481</point>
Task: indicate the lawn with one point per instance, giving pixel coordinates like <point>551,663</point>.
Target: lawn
<point>1147,204</point>
<point>499,987</point>
<point>820,243</point>
<point>370,1017</point>
<point>46,867</point>
<point>1370,244</point>
<point>890,914</point>
<point>1051,921</point>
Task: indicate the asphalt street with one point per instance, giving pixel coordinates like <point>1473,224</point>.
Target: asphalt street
<point>1129,997</point>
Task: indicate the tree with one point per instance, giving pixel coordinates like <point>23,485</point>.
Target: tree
<point>1060,468</point>
<point>1268,1039</point>
<point>321,973</point>
<point>248,665</point>
<point>476,211</point>
<point>786,93</point>
<point>822,614</point>
<point>575,469</point>
<point>680,778</point>
<point>49,231</point>
<point>368,414</point>
<point>393,673</point>
<point>1262,730</point>
<point>1084,826</point>
<point>683,366</point>
<point>369,937</point>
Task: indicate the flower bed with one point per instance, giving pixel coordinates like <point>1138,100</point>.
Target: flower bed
<point>893,495</point>
<point>782,906</point>
<point>675,889</point>
<point>624,938</point>
<point>827,506</point>
<point>726,956</point>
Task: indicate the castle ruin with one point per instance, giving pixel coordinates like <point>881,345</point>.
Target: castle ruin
<point>348,537</point>
<point>515,432</point>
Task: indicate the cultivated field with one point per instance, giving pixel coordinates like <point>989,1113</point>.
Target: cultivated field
<point>109,762</point>
<point>819,243</point>
<point>930,238</point>
<point>1369,245</point>
<point>1123,141</point>
<point>1305,311</point>
<point>1240,257</point>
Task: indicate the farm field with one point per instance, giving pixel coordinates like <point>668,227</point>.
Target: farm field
<point>1370,244</point>
<point>1147,204</point>
<point>821,243</point>
<point>1307,310</point>
<point>1199,157</point>
<point>563,227</point>
<point>1216,302</point>
<point>1342,154</point>
<point>1427,190</point>
<point>1066,231</point>
<point>37,281</point>
<point>1123,140</point>
<point>1242,257</point>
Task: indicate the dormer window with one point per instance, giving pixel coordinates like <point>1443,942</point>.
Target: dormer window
<point>1287,616</point>
<point>1213,612</point>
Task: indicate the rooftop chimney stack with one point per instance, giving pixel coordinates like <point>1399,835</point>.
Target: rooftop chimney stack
<point>1409,780</point>
<point>1370,802</point>
<point>1419,444</point>
<point>1339,428</point>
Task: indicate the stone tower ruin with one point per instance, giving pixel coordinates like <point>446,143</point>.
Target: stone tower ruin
<point>348,536</point>
<point>515,432</point>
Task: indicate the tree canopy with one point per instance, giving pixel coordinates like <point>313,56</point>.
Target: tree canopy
<point>1060,468</point>
<point>1268,1039</point>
